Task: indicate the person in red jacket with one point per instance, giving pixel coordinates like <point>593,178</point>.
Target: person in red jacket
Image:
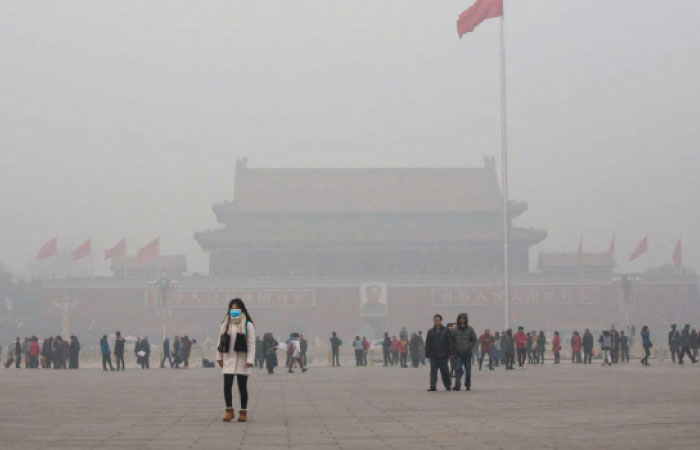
<point>34,352</point>
<point>395,350</point>
<point>403,349</point>
<point>556,347</point>
<point>365,350</point>
<point>576,347</point>
<point>521,346</point>
<point>486,342</point>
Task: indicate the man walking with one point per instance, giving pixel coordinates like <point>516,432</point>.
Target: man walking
<point>303,347</point>
<point>386,348</point>
<point>520,345</point>
<point>421,351</point>
<point>335,349</point>
<point>438,348</point>
<point>587,341</point>
<point>486,341</point>
<point>463,339</point>
<point>624,348</point>
<point>119,351</point>
<point>685,345</point>
<point>614,344</point>
<point>166,353</point>
<point>18,353</point>
<point>674,342</point>
<point>508,348</point>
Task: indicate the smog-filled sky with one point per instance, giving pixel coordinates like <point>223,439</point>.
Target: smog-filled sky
<point>125,119</point>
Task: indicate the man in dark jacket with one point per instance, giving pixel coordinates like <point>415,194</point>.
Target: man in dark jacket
<point>624,348</point>
<point>463,339</point>
<point>74,353</point>
<point>438,348</point>
<point>303,348</point>
<point>587,343</point>
<point>685,345</point>
<point>18,353</point>
<point>335,349</point>
<point>166,353</point>
<point>119,351</point>
<point>674,342</point>
<point>386,349</point>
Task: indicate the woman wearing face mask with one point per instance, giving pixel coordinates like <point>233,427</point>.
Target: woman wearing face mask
<point>240,357</point>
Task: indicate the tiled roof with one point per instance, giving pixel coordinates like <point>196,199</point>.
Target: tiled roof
<point>367,190</point>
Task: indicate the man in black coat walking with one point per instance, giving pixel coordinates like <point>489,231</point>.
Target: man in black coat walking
<point>18,353</point>
<point>438,348</point>
<point>119,351</point>
<point>674,342</point>
<point>685,343</point>
<point>587,342</point>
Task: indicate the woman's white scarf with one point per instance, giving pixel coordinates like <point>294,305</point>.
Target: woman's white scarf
<point>237,323</point>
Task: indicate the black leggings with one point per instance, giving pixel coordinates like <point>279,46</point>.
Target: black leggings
<point>242,389</point>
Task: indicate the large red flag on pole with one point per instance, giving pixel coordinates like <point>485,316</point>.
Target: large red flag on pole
<point>149,251</point>
<point>118,251</point>
<point>640,249</point>
<point>48,249</point>
<point>677,256</point>
<point>477,13</point>
<point>82,250</point>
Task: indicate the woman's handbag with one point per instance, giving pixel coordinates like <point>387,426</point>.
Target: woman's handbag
<point>224,341</point>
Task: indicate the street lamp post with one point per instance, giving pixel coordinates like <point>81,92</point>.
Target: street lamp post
<point>626,297</point>
<point>164,306</point>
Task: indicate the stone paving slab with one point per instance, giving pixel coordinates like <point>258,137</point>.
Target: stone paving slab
<point>551,407</point>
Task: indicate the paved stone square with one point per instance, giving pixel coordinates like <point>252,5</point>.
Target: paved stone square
<point>566,406</point>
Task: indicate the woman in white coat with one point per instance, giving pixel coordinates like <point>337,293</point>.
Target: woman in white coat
<point>237,364</point>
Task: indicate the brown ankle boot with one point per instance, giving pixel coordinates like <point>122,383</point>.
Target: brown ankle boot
<point>243,416</point>
<point>229,415</point>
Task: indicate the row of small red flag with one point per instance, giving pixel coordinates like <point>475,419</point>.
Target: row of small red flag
<point>639,250</point>
<point>148,251</point>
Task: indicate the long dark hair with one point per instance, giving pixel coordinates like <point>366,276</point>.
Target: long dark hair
<point>238,302</point>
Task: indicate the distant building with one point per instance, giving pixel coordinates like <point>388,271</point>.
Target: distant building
<point>569,263</point>
<point>365,222</point>
<point>132,267</point>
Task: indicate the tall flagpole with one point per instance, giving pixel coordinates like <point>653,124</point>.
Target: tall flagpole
<point>504,179</point>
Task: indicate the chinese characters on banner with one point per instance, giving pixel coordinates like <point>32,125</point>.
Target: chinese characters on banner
<point>520,296</point>
<point>278,298</point>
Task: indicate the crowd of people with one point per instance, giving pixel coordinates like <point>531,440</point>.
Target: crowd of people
<point>53,352</point>
<point>180,355</point>
<point>58,353</point>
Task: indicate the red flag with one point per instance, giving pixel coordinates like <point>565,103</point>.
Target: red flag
<point>611,249</point>
<point>677,256</point>
<point>48,249</point>
<point>640,250</point>
<point>82,250</point>
<point>148,251</point>
<point>477,13</point>
<point>579,252</point>
<point>118,251</point>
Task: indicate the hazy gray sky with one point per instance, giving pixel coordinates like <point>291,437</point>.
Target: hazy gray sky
<point>125,118</point>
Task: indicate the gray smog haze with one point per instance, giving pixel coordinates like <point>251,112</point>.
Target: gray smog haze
<point>124,118</point>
